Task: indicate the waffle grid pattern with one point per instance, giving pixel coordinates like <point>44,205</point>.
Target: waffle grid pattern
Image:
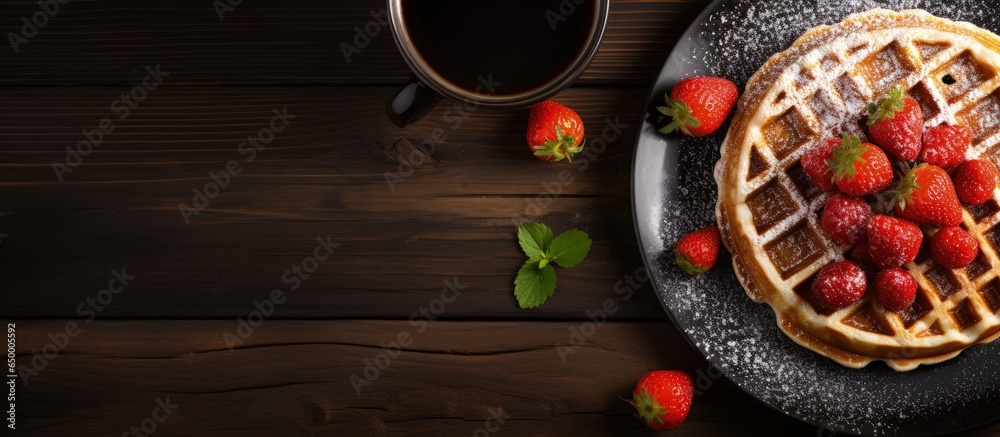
<point>953,306</point>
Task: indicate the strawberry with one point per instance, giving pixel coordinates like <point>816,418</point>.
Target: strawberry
<point>814,163</point>
<point>895,289</point>
<point>555,132</point>
<point>697,251</point>
<point>893,241</point>
<point>975,181</point>
<point>845,219</point>
<point>699,105</point>
<point>662,398</point>
<point>896,123</point>
<point>945,146</point>
<point>926,195</point>
<point>860,169</point>
<point>953,247</point>
<point>838,285</point>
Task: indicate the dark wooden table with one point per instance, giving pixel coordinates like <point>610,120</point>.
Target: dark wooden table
<point>129,312</point>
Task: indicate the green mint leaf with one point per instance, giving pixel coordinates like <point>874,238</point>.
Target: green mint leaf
<point>534,238</point>
<point>569,248</point>
<point>534,285</point>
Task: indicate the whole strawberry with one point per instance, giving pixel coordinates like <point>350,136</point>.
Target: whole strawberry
<point>696,252</point>
<point>895,289</point>
<point>555,132</point>
<point>838,285</point>
<point>975,181</point>
<point>860,169</point>
<point>814,162</point>
<point>845,219</point>
<point>953,247</point>
<point>662,398</point>
<point>926,195</point>
<point>897,124</point>
<point>893,242</point>
<point>699,105</point>
<point>946,146</point>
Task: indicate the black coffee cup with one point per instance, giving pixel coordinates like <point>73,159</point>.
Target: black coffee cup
<point>507,53</point>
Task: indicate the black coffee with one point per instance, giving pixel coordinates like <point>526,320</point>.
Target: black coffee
<point>523,44</point>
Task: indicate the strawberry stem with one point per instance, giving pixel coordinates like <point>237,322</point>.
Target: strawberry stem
<point>904,189</point>
<point>562,148</point>
<point>886,107</point>
<point>688,267</point>
<point>647,408</point>
<point>845,156</point>
<point>681,114</point>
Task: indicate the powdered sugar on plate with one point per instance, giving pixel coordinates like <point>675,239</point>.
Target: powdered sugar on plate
<point>741,337</point>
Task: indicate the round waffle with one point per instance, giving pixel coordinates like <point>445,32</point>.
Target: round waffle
<point>768,209</point>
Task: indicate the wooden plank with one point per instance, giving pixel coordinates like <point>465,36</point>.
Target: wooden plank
<point>294,378</point>
<point>295,42</point>
<point>322,175</point>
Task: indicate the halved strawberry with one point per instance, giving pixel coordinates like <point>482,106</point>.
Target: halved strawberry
<point>896,123</point>
<point>860,169</point>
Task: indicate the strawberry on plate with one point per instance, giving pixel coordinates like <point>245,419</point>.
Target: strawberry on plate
<point>892,241</point>
<point>895,289</point>
<point>975,181</point>
<point>946,146</point>
<point>662,398</point>
<point>845,218</point>
<point>896,123</point>
<point>697,251</point>
<point>926,195</point>
<point>953,247</point>
<point>838,285</point>
<point>860,169</point>
<point>699,105</point>
<point>814,162</point>
<point>555,132</point>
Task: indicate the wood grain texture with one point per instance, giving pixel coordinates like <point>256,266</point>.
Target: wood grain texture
<point>322,175</point>
<point>294,42</point>
<point>293,378</point>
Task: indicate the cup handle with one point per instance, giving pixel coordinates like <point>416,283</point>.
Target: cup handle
<point>411,103</point>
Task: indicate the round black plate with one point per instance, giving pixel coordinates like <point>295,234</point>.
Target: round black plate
<point>673,192</point>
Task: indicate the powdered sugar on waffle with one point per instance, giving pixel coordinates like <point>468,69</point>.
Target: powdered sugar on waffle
<point>741,335</point>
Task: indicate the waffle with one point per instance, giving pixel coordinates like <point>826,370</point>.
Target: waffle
<point>768,211</point>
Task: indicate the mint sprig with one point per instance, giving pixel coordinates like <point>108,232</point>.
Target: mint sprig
<point>536,281</point>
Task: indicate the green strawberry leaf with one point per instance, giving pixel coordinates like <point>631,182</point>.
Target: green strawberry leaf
<point>569,248</point>
<point>534,285</point>
<point>534,238</point>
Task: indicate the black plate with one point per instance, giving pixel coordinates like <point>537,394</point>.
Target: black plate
<point>673,192</point>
